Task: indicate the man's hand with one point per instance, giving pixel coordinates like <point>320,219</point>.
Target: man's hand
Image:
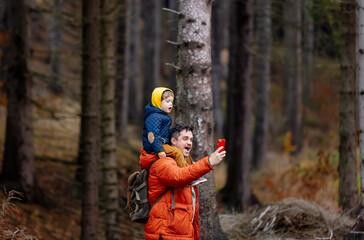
<point>216,157</point>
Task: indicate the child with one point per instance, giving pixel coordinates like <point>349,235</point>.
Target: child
<point>156,129</point>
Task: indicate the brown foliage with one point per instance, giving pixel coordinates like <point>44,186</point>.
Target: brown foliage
<point>8,208</point>
<point>290,218</point>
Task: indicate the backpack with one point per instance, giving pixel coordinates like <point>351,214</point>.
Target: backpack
<point>138,203</point>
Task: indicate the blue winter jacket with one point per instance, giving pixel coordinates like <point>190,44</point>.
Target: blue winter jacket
<point>156,129</point>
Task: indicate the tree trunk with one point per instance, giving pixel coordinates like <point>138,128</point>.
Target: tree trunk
<point>359,226</point>
<point>217,33</point>
<point>110,196</point>
<point>132,60</point>
<point>172,36</point>
<point>239,105</point>
<point>4,26</point>
<point>194,99</point>
<point>288,45</point>
<point>308,31</point>
<point>292,94</point>
<point>89,153</point>
<point>348,197</point>
<point>55,47</point>
<point>151,12</point>
<point>18,160</point>
<point>121,79</point>
<point>262,82</point>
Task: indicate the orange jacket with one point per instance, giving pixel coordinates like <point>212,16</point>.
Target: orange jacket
<point>171,224</point>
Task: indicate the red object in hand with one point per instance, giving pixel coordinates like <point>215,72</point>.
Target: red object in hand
<point>221,143</point>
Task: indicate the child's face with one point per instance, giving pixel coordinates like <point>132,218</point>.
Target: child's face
<point>167,104</point>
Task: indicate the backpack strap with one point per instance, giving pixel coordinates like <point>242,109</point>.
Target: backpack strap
<point>173,200</point>
<point>160,196</point>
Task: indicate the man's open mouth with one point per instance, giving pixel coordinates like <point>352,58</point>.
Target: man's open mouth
<point>187,148</point>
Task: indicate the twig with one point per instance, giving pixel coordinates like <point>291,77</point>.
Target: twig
<point>174,43</point>
<point>174,66</point>
<point>171,10</point>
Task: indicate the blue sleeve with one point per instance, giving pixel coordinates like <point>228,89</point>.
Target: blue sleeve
<point>153,125</point>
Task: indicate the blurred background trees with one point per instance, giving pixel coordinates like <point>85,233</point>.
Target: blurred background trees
<point>274,73</point>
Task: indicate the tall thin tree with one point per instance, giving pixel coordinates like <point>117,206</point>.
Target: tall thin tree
<point>218,15</point>
<point>292,94</point>
<point>237,188</point>
<point>359,226</point>
<point>133,64</point>
<point>348,197</point>
<point>89,149</point>
<point>308,52</point>
<point>110,196</point>
<point>263,57</point>
<point>121,79</point>
<point>18,161</point>
<point>194,99</point>
<point>151,12</point>
<point>55,47</point>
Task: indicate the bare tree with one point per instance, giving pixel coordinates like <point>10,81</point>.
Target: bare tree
<point>89,149</point>
<point>151,12</point>
<point>348,197</point>
<point>237,189</point>
<point>132,60</point>
<point>308,47</point>
<point>121,79</point>
<point>263,58</point>
<point>292,96</point>
<point>3,31</point>
<point>55,47</point>
<point>172,37</point>
<point>18,161</point>
<point>218,16</point>
<point>194,99</point>
<point>359,226</point>
<point>110,196</point>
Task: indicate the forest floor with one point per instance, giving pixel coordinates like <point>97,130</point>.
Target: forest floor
<point>298,196</point>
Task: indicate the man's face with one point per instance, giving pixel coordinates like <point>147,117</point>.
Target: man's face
<point>184,142</point>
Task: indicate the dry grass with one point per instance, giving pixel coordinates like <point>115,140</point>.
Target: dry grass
<point>8,208</point>
<point>290,218</point>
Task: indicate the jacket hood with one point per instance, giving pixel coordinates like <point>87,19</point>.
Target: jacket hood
<point>157,96</point>
<point>146,159</point>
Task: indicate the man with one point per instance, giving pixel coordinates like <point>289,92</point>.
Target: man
<point>175,215</point>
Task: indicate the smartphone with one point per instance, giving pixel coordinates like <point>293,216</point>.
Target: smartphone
<point>221,143</point>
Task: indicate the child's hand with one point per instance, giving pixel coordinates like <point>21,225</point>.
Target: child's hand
<point>162,155</point>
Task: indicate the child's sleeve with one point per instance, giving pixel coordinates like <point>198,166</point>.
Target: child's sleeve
<point>175,153</point>
<point>153,126</point>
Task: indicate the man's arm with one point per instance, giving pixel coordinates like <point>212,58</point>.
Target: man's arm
<point>170,175</point>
